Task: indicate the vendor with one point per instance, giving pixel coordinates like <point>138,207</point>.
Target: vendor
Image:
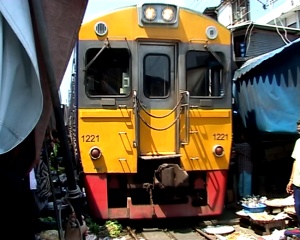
<point>293,186</point>
<point>244,163</point>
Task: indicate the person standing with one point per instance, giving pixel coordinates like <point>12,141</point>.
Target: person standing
<point>293,186</point>
<point>244,163</point>
<point>18,205</point>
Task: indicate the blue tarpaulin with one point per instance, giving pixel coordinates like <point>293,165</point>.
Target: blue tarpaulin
<point>267,90</point>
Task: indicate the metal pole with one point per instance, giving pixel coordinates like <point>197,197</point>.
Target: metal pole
<point>74,192</point>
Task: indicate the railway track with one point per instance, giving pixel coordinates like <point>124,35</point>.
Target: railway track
<point>187,229</point>
<point>175,230</point>
<point>182,229</point>
<point>187,233</point>
<point>166,234</point>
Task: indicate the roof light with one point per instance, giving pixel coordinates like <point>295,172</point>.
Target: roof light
<point>218,150</point>
<point>150,13</point>
<point>168,14</point>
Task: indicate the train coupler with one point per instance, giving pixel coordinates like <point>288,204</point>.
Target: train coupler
<point>170,175</point>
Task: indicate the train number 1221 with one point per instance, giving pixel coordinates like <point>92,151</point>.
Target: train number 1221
<point>220,136</point>
<point>90,138</point>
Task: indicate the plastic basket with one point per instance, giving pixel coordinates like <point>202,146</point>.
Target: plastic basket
<point>257,209</point>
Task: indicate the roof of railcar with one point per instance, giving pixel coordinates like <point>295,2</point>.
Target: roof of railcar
<point>103,13</point>
<point>191,28</point>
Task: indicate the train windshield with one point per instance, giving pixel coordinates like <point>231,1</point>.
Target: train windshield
<point>109,72</point>
<point>204,75</point>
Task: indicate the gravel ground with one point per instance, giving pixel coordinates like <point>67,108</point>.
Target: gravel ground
<point>229,217</point>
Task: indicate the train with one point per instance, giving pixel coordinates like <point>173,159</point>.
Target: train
<point>153,112</point>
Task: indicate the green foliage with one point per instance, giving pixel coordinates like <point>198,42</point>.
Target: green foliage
<point>114,228</point>
<point>94,228</point>
<point>111,228</point>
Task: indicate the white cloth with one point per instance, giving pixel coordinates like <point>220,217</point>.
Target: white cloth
<point>32,180</point>
<point>296,156</point>
<point>21,99</point>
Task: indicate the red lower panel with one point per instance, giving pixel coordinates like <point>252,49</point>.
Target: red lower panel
<point>96,190</point>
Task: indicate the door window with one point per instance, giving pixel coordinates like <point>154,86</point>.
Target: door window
<point>156,76</point>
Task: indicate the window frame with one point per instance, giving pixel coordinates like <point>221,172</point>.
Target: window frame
<point>217,66</point>
<point>100,70</point>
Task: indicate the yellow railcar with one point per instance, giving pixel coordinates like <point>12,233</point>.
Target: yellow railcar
<point>153,112</point>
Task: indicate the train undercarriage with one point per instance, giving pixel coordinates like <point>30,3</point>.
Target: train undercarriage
<point>157,191</point>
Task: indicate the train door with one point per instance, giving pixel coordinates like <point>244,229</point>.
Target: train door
<point>157,121</point>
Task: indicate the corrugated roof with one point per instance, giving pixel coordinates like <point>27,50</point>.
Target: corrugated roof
<point>244,25</point>
<point>253,62</point>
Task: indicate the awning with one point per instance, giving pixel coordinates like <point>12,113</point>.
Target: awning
<point>267,91</point>
<point>21,99</point>
<point>25,99</point>
<point>252,63</point>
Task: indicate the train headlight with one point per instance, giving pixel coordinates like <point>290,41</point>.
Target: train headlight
<point>168,14</point>
<point>153,14</point>
<point>218,150</point>
<point>95,153</point>
<point>150,13</point>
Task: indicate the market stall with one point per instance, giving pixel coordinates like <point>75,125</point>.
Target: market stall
<point>263,216</point>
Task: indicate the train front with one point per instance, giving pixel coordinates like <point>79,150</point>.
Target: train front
<point>154,125</point>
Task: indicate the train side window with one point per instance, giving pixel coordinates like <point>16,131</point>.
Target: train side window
<point>204,75</point>
<point>156,77</point>
<point>108,73</point>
